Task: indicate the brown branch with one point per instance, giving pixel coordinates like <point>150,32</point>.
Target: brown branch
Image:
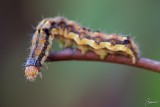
<point>72,54</point>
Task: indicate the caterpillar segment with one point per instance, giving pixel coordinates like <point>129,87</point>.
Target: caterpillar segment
<point>41,44</point>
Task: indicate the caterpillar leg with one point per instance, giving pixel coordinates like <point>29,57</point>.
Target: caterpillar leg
<point>83,49</point>
<point>101,52</point>
<point>68,43</point>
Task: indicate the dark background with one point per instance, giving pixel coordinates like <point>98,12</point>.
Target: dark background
<point>79,83</point>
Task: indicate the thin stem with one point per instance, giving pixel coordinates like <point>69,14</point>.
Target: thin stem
<point>72,54</point>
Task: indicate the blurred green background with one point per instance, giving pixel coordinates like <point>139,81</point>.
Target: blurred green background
<point>79,83</point>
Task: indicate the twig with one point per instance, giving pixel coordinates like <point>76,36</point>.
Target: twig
<point>72,54</point>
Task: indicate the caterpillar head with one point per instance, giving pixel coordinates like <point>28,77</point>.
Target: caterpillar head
<point>31,72</point>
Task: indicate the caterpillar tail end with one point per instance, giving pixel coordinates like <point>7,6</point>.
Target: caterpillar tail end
<point>31,73</point>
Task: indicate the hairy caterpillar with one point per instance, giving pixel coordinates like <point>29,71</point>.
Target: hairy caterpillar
<point>70,33</point>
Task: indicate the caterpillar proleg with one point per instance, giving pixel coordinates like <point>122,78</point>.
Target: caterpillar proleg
<point>71,33</point>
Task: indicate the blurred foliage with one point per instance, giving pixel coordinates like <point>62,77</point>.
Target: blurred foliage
<point>75,83</point>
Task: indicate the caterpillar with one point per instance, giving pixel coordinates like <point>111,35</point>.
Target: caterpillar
<point>70,33</point>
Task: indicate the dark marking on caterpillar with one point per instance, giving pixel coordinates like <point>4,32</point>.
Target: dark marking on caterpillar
<point>71,33</point>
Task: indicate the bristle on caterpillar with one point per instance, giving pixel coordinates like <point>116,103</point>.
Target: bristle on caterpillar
<point>70,34</point>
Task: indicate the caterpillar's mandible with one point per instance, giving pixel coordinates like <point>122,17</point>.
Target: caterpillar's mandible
<point>70,33</point>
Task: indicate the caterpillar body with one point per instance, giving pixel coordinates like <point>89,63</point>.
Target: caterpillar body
<point>70,33</point>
